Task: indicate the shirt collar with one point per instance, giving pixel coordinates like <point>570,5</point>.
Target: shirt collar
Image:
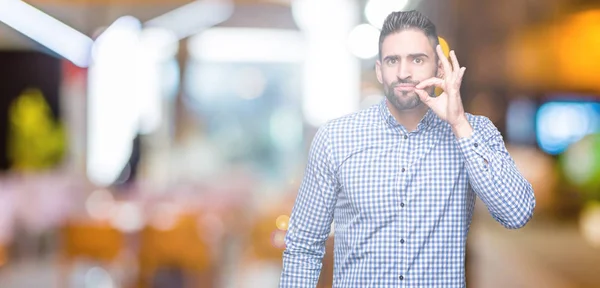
<point>429,120</point>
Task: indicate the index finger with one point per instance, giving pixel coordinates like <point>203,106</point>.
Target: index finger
<point>455,64</point>
<point>437,82</point>
<point>445,63</point>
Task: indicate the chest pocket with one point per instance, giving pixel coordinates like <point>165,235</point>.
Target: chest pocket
<point>368,178</point>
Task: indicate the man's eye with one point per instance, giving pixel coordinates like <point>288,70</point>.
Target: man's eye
<point>418,61</point>
<point>392,61</point>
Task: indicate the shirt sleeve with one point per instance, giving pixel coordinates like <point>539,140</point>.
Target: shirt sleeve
<point>311,218</point>
<point>494,177</point>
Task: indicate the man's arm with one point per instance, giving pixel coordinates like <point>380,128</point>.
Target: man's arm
<point>311,218</point>
<point>493,175</point>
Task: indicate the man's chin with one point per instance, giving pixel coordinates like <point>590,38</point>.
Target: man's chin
<point>405,95</point>
<point>405,102</point>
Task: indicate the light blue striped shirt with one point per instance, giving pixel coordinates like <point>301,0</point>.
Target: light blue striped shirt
<point>402,202</point>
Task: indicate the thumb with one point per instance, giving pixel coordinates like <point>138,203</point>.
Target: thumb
<point>424,96</point>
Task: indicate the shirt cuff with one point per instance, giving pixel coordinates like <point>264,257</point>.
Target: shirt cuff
<point>475,149</point>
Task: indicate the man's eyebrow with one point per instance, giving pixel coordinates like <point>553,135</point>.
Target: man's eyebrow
<point>416,55</point>
<point>413,55</point>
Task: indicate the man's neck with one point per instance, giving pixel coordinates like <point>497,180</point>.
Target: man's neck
<point>409,118</point>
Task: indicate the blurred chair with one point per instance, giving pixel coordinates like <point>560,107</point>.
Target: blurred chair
<point>95,241</point>
<point>267,243</point>
<point>262,248</point>
<point>178,248</point>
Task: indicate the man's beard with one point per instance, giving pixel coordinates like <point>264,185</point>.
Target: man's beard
<point>406,100</point>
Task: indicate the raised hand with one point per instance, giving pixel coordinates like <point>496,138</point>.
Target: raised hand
<point>448,105</point>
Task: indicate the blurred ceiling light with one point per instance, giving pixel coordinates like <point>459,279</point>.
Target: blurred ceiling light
<point>326,26</point>
<point>159,43</point>
<point>559,124</point>
<point>46,30</point>
<point>194,17</point>
<point>113,118</point>
<point>156,48</point>
<point>125,92</point>
<point>125,30</point>
<point>247,45</point>
<point>363,41</point>
<point>377,10</point>
<point>316,15</point>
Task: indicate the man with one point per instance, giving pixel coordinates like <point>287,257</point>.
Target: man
<point>400,179</point>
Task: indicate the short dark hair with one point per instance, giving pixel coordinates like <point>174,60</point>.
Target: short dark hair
<point>404,20</point>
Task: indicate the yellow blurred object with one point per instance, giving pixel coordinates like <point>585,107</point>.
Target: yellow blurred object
<point>571,46</point>
<point>181,246</point>
<point>94,240</point>
<point>35,140</point>
<point>446,49</point>
<point>266,239</point>
<point>282,222</point>
<point>578,51</point>
<point>445,46</point>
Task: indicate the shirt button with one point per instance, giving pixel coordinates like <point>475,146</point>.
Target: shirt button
<point>403,169</point>
<point>401,241</point>
<point>405,136</point>
<point>401,204</point>
<point>401,277</point>
<point>475,144</point>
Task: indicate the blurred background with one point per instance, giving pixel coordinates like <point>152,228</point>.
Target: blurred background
<point>155,143</point>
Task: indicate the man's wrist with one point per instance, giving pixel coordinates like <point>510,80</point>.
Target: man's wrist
<point>462,128</point>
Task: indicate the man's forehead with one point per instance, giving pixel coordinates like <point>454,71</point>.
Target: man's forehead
<point>407,42</point>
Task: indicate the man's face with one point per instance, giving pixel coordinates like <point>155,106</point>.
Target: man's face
<point>407,58</point>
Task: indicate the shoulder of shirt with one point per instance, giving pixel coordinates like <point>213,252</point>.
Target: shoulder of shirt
<point>480,121</point>
<point>364,117</point>
<point>347,127</point>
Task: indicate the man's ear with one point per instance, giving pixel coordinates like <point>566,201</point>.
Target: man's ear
<point>378,72</point>
<point>440,70</point>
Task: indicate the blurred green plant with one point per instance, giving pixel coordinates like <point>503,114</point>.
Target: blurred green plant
<point>581,166</point>
<point>35,141</point>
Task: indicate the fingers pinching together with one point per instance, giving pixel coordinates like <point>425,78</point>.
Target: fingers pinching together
<point>452,74</point>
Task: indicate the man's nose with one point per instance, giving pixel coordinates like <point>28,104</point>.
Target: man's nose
<point>404,71</point>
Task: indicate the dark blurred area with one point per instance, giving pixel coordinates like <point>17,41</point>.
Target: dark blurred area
<point>161,143</point>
